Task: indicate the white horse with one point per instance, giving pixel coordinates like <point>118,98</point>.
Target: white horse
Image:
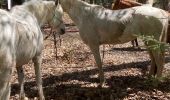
<point>21,40</point>
<point>7,53</point>
<point>98,25</point>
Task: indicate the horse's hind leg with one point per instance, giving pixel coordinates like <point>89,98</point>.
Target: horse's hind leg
<point>136,42</point>
<point>5,78</point>
<point>160,59</point>
<point>157,62</point>
<point>37,66</point>
<point>21,81</point>
<point>153,67</point>
<point>96,53</point>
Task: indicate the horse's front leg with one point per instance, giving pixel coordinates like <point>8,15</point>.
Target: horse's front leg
<point>135,43</point>
<point>21,78</point>
<point>96,53</point>
<point>37,66</point>
<point>136,40</point>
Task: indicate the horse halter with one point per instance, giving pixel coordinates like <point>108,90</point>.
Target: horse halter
<point>57,2</point>
<point>58,19</point>
<point>54,17</point>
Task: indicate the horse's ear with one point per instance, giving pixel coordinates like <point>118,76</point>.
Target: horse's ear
<point>57,2</point>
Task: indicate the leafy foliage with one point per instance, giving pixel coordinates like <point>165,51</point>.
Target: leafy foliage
<point>2,1</point>
<point>154,44</point>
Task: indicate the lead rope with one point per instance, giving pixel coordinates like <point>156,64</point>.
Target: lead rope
<point>103,53</point>
<point>53,33</point>
<point>55,45</point>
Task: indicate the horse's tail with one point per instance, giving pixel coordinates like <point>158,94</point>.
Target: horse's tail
<point>168,29</point>
<point>165,35</point>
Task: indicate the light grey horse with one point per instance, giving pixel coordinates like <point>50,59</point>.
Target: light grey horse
<point>7,53</point>
<point>21,40</point>
<point>98,25</point>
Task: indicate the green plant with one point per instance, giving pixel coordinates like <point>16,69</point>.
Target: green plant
<point>154,44</point>
<point>1,3</point>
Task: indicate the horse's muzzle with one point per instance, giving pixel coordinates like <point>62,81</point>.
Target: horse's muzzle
<point>62,31</point>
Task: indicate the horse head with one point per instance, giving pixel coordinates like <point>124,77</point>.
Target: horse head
<point>57,21</point>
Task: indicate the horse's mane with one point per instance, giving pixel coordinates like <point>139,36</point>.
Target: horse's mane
<point>33,8</point>
<point>92,6</point>
<point>35,4</point>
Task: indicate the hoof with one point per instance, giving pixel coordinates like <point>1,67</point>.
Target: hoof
<point>102,83</point>
<point>24,98</point>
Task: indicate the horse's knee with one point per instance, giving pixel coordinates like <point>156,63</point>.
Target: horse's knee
<point>153,68</point>
<point>37,59</point>
<point>6,94</point>
<point>5,78</point>
<point>159,71</point>
<point>5,74</point>
<point>160,65</point>
<point>136,42</point>
<point>159,60</point>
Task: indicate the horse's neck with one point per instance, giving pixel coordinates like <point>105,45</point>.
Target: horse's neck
<point>20,13</point>
<point>74,9</point>
<point>39,13</point>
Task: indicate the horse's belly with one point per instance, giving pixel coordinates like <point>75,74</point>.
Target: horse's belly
<point>110,40</point>
<point>26,51</point>
<point>126,38</point>
<point>116,38</point>
<point>25,55</point>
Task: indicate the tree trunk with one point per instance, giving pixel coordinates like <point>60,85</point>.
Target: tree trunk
<point>146,1</point>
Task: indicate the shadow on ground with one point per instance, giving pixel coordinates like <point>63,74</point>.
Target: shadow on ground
<point>131,49</point>
<point>119,87</point>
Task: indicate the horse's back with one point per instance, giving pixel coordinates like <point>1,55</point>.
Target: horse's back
<point>135,20</point>
<point>149,21</point>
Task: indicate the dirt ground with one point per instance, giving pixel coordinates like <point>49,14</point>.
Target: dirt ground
<point>73,75</point>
